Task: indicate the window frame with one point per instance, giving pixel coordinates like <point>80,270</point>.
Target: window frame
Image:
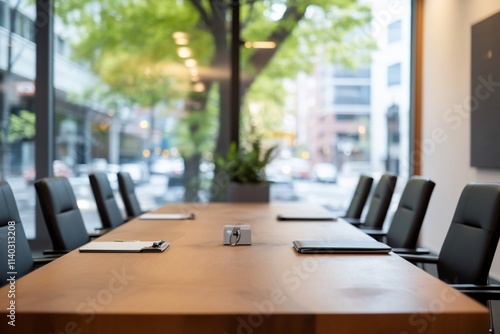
<point>44,104</point>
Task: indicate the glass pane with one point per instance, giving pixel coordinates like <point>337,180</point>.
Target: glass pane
<point>333,94</point>
<point>394,31</point>
<point>144,87</point>
<point>353,95</point>
<point>141,86</point>
<point>17,119</point>
<point>394,75</point>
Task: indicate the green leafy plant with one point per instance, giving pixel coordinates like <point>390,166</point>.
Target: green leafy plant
<point>22,126</point>
<point>246,165</point>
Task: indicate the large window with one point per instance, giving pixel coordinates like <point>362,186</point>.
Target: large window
<point>24,27</point>
<point>17,74</point>
<point>351,95</point>
<point>394,74</point>
<point>394,31</point>
<point>2,14</point>
<point>357,72</point>
<point>149,92</point>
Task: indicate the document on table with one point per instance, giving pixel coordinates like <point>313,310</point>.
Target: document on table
<point>306,217</point>
<point>340,247</point>
<point>118,246</point>
<point>167,216</point>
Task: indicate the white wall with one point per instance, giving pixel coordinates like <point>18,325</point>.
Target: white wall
<point>446,111</point>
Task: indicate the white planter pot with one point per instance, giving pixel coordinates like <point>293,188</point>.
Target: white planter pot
<point>237,192</point>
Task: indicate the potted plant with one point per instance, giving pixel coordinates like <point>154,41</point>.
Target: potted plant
<point>245,170</point>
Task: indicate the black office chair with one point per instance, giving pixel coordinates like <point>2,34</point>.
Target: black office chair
<point>109,212</point>
<point>127,192</point>
<point>11,228</point>
<point>407,220</point>
<point>469,247</point>
<point>359,197</point>
<point>379,204</point>
<point>61,214</point>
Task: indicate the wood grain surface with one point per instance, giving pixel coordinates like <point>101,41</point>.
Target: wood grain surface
<point>198,285</point>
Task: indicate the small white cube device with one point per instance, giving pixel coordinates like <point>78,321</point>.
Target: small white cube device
<point>236,235</point>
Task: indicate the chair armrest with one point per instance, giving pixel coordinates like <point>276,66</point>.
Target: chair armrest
<point>353,221</point>
<point>335,210</point>
<point>100,232</point>
<point>41,261</point>
<point>411,251</point>
<point>479,292</point>
<point>55,252</point>
<point>414,258</point>
<point>475,287</point>
<point>373,232</point>
<point>129,218</point>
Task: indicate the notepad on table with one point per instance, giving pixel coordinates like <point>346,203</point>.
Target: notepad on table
<point>340,247</point>
<point>167,216</point>
<point>125,246</point>
<point>306,217</point>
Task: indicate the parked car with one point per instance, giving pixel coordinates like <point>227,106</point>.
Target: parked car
<point>351,170</point>
<point>279,171</point>
<point>59,169</point>
<point>175,173</point>
<point>324,172</point>
<point>160,166</point>
<point>138,171</point>
<point>301,168</point>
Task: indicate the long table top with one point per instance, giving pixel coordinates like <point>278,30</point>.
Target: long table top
<point>198,285</point>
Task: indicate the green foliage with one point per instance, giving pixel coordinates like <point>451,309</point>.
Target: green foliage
<point>329,30</point>
<point>142,27</point>
<point>246,165</point>
<point>22,126</point>
<point>263,111</point>
<point>195,131</point>
<point>129,44</point>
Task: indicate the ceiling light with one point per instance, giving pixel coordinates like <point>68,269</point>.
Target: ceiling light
<point>199,87</point>
<point>260,45</point>
<point>190,62</point>
<point>194,72</point>
<point>182,41</point>
<point>180,35</point>
<point>181,38</point>
<point>184,52</point>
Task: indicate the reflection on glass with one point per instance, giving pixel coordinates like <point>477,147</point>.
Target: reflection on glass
<point>331,93</point>
<point>17,120</point>
<point>144,87</point>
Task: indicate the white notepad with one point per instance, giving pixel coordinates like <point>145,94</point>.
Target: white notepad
<point>167,216</point>
<point>125,246</point>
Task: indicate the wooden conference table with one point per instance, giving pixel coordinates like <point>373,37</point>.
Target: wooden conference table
<point>200,286</point>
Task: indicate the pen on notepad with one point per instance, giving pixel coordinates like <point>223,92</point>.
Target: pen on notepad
<point>158,243</point>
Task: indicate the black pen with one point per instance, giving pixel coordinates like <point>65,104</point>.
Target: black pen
<point>158,243</point>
